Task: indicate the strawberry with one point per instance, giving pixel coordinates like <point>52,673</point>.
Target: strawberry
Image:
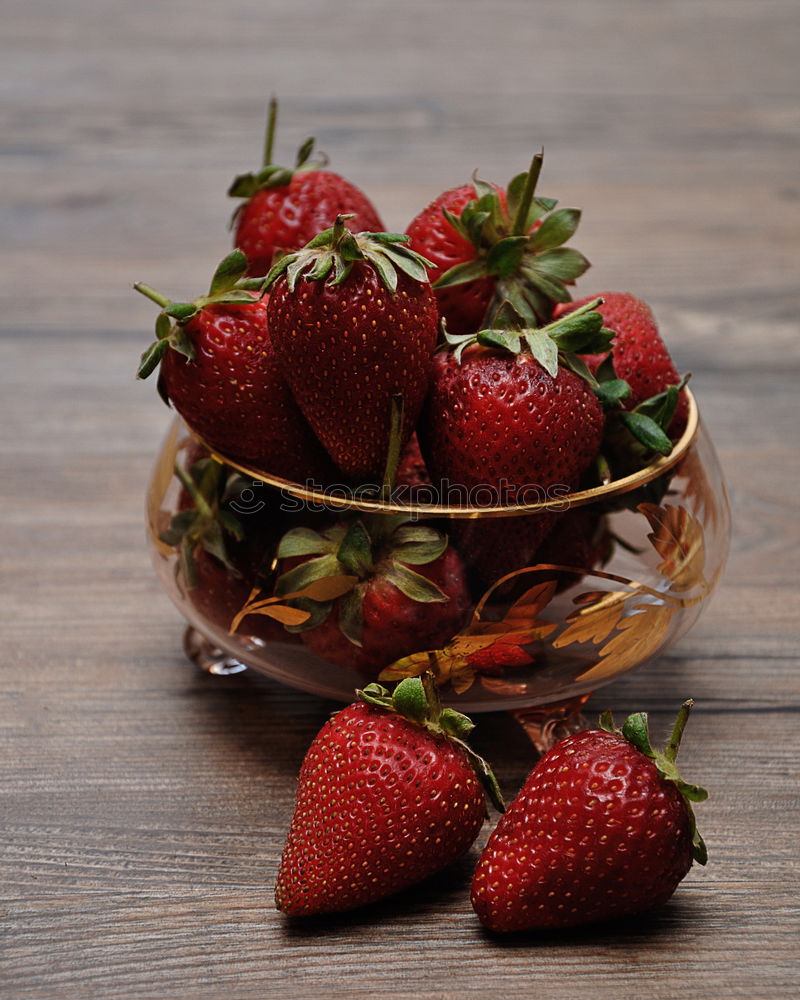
<point>580,539</point>
<point>218,368</point>
<point>411,471</point>
<point>219,554</point>
<point>284,209</point>
<point>639,354</point>
<point>463,306</point>
<point>495,660</point>
<point>387,796</point>
<point>489,245</point>
<point>508,422</point>
<point>379,608</point>
<point>353,322</point>
<point>603,828</point>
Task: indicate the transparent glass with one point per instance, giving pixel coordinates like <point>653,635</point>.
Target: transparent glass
<point>559,623</point>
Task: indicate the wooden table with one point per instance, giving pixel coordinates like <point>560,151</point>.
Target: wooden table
<point>143,805</point>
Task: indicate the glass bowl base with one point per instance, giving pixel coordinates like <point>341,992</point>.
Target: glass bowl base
<point>544,725</point>
<point>208,656</point>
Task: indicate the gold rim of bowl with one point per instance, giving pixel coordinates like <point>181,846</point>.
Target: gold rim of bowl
<point>345,500</point>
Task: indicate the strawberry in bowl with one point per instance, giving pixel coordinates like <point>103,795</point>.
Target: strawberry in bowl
<point>282,209</point>
<point>490,244</point>
<point>217,367</point>
<point>400,588</point>
<point>353,322</point>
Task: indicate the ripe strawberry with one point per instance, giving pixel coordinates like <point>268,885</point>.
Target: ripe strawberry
<point>350,342</point>
<point>639,354</point>
<point>411,470</point>
<point>219,554</point>
<point>497,659</point>
<point>379,609</point>
<point>602,828</point>
<point>387,796</point>
<point>580,539</point>
<point>218,369</point>
<point>463,306</point>
<point>508,422</point>
<point>489,245</point>
<point>284,208</point>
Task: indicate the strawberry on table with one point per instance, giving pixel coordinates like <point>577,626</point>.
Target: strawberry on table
<point>399,587</point>
<point>283,209</point>
<point>218,369</point>
<point>388,795</point>
<point>353,323</point>
<point>603,828</point>
<point>489,245</point>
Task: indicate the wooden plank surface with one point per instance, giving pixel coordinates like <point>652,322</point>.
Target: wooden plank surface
<point>143,806</point>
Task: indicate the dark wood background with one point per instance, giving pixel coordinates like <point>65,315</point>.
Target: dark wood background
<point>143,806</point>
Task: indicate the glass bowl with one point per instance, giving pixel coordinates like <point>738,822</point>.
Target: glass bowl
<point>624,571</point>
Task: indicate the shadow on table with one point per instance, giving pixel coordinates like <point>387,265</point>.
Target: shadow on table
<point>676,915</point>
<point>441,893</point>
<point>435,895</point>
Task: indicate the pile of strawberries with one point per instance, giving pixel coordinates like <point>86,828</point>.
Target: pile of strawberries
<point>447,364</point>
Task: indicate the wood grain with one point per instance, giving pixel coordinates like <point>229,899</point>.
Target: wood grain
<point>142,805</point>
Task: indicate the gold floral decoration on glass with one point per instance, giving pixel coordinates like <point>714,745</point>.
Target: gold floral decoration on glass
<point>626,625</point>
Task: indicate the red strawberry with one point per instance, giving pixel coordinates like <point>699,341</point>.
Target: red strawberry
<point>284,209</point>
<point>507,423</point>
<point>489,245</point>
<point>639,354</point>
<point>495,660</point>
<point>411,470</point>
<point>387,796</point>
<point>580,539</point>
<point>353,322</point>
<point>462,306</point>
<point>413,483</point>
<point>602,828</point>
<point>218,369</point>
<point>379,608</point>
<point>219,554</point>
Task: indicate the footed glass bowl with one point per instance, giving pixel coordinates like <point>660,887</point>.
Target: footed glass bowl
<point>622,572</point>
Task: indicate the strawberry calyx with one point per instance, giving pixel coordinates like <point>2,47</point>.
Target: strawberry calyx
<point>330,257</point>
<point>205,524</point>
<point>558,344</point>
<point>417,700</point>
<point>635,731</point>
<point>171,321</point>
<point>518,241</point>
<point>270,175</point>
<point>648,423</point>
<point>344,558</point>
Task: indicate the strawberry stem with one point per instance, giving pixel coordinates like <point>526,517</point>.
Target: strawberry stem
<point>534,170</point>
<point>269,138</point>
<point>432,693</point>
<point>395,441</point>
<point>199,500</point>
<point>152,294</point>
<point>672,747</point>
